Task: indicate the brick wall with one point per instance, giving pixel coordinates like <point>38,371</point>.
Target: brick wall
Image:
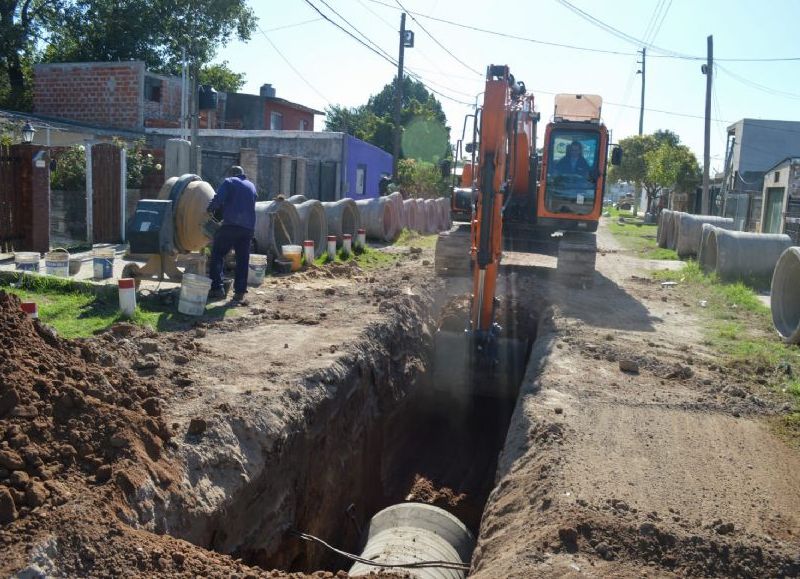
<point>107,94</point>
<point>291,116</point>
<point>168,108</point>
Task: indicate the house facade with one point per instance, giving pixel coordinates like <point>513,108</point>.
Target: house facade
<point>780,212</point>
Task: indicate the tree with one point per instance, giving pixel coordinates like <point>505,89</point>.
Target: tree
<point>221,77</point>
<point>654,162</point>
<point>22,22</point>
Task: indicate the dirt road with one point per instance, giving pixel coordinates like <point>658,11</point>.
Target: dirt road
<point>667,469</point>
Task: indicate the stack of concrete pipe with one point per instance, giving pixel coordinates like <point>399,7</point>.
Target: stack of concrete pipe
<point>737,255</point>
<point>313,222</point>
<point>343,217</point>
<point>277,224</point>
<point>380,218</point>
<point>444,210</point>
<point>785,300</point>
<point>667,230</point>
<point>689,231</point>
<point>432,216</point>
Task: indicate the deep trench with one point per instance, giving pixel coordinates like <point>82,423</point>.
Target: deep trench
<point>366,454</point>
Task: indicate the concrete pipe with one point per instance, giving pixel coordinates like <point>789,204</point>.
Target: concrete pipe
<point>431,218</point>
<point>785,300</point>
<point>664,219</point>
<point>736,255</point>
<point>414,532</point>
<point>379,217</point>
<point>672,229</point>
<point>397,201</point>
<point>410,214</point>
<point>704,233</point>
<point>277,224</point>
<point>690,230</point>
<point>343,217</point>
<point>313,223</point>
<point>190,213</point>
<point>422,216</point>
<point>444,213</point>
<point>297,199</point>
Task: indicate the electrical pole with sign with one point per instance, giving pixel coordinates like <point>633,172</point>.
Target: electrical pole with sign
<point>406,41</point>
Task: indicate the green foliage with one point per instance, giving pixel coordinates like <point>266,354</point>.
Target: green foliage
<point>70,171</point>
<point>153,31</point>
<point>421,179</point>
<point>221,77</point>
<point>409,238</point>
<point>139,162</point>
<point>656,162</point>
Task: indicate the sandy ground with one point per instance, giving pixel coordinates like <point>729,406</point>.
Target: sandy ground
<point>670,470</point>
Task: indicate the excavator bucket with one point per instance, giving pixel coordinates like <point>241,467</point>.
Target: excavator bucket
<point>461,367</point>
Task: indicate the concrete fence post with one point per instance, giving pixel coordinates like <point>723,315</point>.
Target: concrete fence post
<point>89,194</point>
<point>177,154</point>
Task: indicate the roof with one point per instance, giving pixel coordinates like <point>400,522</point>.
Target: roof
<point>292,105</point>
<point>792,160</point>
<point>45,122</point>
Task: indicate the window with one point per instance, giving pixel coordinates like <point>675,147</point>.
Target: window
<point>777,176</point>
<point>152,89</point>
<point>361,179</point>
<point>275,121</point>
<point>572,172</point>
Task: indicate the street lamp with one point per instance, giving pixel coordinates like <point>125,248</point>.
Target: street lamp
<point>27,133</point>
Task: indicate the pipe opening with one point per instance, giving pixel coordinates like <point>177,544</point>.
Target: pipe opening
<point>785,300</point>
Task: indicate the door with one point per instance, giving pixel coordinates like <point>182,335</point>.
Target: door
<point>773,210</point>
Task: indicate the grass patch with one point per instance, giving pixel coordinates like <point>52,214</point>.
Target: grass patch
<point>77,312</point>
<point>637,236</point>
<point>368,258</point>
<point>739,327</point>
<point>423,241</point>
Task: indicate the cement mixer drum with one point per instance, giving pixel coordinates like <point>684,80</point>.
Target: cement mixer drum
<point>193,196</point>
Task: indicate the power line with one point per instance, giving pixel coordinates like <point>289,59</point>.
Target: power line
<point>575,47</point>
<point>285,26</point>
<point>290,65</point>
<point>657,29</point>
<point>380,52</point>
<point>436,40</point>
<point>653,19</point>
<point>757,86</point>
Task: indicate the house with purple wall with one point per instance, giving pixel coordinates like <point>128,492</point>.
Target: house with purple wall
<point>366,164</point>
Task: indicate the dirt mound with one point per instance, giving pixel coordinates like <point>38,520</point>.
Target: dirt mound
<point>424,491</point>
<point>62,416</point>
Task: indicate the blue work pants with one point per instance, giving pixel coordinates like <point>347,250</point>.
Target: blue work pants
<point>231,237</point>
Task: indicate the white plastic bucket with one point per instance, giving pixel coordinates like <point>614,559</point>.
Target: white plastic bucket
<point>293,253</point>
<point>194,293</point>
<point>57,263</point>
<point>26,261</point>
<point>103,262</point>
<point>256,269</point>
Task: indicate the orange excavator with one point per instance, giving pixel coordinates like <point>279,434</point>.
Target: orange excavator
<point>518,201</point>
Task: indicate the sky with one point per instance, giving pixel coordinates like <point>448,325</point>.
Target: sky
<point>309,60</point>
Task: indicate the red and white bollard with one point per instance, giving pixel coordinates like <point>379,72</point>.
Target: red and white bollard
<point>308,251</point>
<point>361,238</point>
<point>32,309</point>
<point>331,247</point>
<point>347,243</point>
<point>127,296</point>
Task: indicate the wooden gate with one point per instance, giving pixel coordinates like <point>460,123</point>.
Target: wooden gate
<point>24,198</point>
<point>106,193</point>
<point>14,214</point>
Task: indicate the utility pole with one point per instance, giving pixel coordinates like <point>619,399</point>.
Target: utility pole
<point>708,69</point>
<point>194,157</point>
<point>398,96</point>
<point>641,107</point>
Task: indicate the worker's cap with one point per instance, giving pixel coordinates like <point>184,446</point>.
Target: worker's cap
<point>235,171</point>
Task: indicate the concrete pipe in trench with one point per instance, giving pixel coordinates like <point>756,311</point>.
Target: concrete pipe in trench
<point>277,224</point>
<point>379,217</point>
<point>410,214</point>
<point>736,255</point>
<point>414,532</point>
<point>343,217</point>
<point>690,231</point>
<point>785,300</point>
<point>313,223</point>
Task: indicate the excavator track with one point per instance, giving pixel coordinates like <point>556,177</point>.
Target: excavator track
<point>452,258</point>
<point>577,255</point>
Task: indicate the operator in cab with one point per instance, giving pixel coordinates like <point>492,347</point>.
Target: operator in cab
<point>573,162</point>
<point>235,204</point>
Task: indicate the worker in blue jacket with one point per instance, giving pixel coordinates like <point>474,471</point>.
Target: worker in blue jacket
<point>235,203</point>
